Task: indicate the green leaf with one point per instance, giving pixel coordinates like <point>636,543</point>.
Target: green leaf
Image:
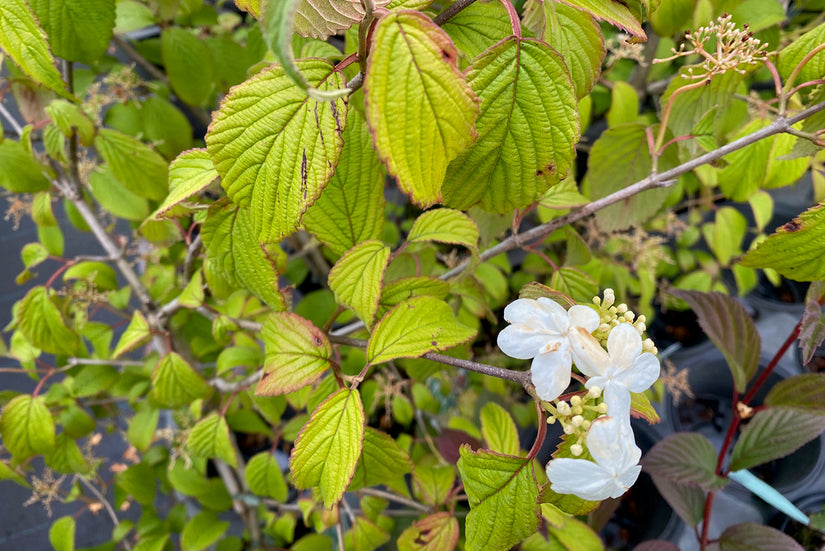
<point>685,458</point>
<point>499,429</point>
<point>436,532</point>
<point>640,406</point>
<point>750,536</point>
<point>324,18</point>
<point>188,64</point>
<point>155,542</point>
<point>525,89</point>
<point>275,148</point>
<point>673,16</point>
<point>445,226</point>
<point>189,174</point>
<point>350,209</point>
<point>133,163</point>
<point>477,27</point>
<point>78,30</point>
<point>297,354</point>
<point>69,117</point>
<point>176,384</point>
<point>805,392</point>
<point>357,277</point>
<point>142,427</point>
<point>614,12</point>
<point>725,235</point>
<point>192,295</point>
<point>413,328</point>
<point>534,290</point>
<point>201,531</point>
<point>234,257</point>
<point>100,274</point>
<point>761,203</point>
<point>115,197</point>
<point>728,325</point>
<point>578,39</point>
<point>624,105</point>
<point>503,499</point>
<point>382,460</point>
<point>328,447</point>
<point>687,501</point>
<point>420,126</point>
<point>812,329</point>
<point>7,473</point>
<point>209,438</point>
<point>136,334</point>
<point>795,249</point>
<point>27,427</point>
<point>408,287</point>
<point>796,50</point>
<point>574,283</point>
<point>773,433</point>
<point>432,484</point>
<point>619,158</point>
<point>44,326</point>
<point>61,534</point>
<point>264,477</point>
<point>66,456</point>
<point>368,536</point>
<point>25,43</point>
<point>567,503</point>
<point>18,171</point>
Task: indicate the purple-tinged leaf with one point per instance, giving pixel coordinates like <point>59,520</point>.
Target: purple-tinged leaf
<point>687,501</point>
<point>812,330</point>
<point>750,536</point>
<point>686,458</point>
<point>774,433</point>
<point>806,392</point>
<point>656,545</point>
<point>728,325</point>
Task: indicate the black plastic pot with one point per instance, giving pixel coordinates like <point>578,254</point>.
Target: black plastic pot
<point>810,539</point>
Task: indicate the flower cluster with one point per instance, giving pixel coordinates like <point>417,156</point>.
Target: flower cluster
<point>605,344</point>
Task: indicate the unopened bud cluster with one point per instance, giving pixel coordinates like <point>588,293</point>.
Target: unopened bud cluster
<point>573,416</point>
<point>611,315</point>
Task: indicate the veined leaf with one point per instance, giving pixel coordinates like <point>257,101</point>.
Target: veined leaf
<point>573,283</point>
<point>209,438</point>
<point>432,485</point>
<point>727,324</point>
<point>136,333</point>
<point>413,328</point>
<point>43,325</point>
<point>478,26</point>
<point>68,117</point>
<point>773,433</point>
<point>275,148</point>
<point>115,197</point>
<point>264,476</point>
<point>687,501</point>
<point>188,64</point>
<point>18,171</point>
<point>792,54</point>
<point>357,278</point>
<point>78,30</point>
<point>408,287</point>
<point>367,535</point>
<point>143,171</point>
<point>805,392</point>
<point>61,534</point>
<point>350,209</point>
<point>381,461</point>
<point>176,384</point>
<point>673,16</point>
<point>421,126</point>
<point>614,12</point>
<point>750,536</point>
<point>795,250</point>
<point>527,128</point>
<point>328,447</point>
<point>234,257</point>
<point>812,329</point>
<point>22,38</point>
<point>324,18</point>
<point>189,174</point>
<point>297,354</point>
<point>436,532</point>
<point>66,456</point>
<point>503,499</point>
<point>201,531</point>
<point>685,458</point>
<point>445,226</point>
<point>27,427</point>
<point>253,7</point>
<point>499,429</point>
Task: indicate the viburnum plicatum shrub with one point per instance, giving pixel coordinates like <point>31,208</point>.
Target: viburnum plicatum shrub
<point>317,219</point>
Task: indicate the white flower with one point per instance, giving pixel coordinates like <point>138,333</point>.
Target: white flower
<point>540,329</point>
<point>615,469</point>
<point>619,371</point>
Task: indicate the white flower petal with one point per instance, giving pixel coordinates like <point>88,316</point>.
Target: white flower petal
<point>624,344</point>
<point>525,310</point>
<point>556,316</point>
<point>590,357</point>
<point>643,372</point>
<point>580,477</point>
<point>550,373</point>
<point>521,341</point>
<point>626,479</point>
<point>583,316</point>
<point>606,443</point>
<point>617,398</point>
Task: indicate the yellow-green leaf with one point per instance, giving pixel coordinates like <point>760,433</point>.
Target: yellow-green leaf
<point>478,26</point>
<point>189,174</point>
<point>499,429</point>
<point>436,532</point>
<point>209,438</point>
<point>419,109</point>
<point>18,171</point>
<point>445,226</point>
<point>43,325</point>
<point>264,476</point>
<point>324,18</point>
<point>796,50</point>
<point>188,64</point>
<point>136,333</point>
<point>27,426</point>
<point>61,534</point>
<point>176,384</point>
<point>78,30</point>
<point>381,461</point>
<point>115,197</point>
<point>613,11</point>
<point>142,170</point>
<point>357,277</point>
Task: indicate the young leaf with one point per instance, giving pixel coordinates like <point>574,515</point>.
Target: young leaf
<point>328,447</point>
<point>234,257</point>
<point>201,531</point>
<point>27,427</point>
<point>209,438</point>
<point>78,30</point>
<point>143,171</point>
<point>499,429</point>
<point>381,461</point>
<point>436,532</point>
<point>408,287</point>
<point>324,18</point>
<point>25,43</point>
<point>69,117</point>
<point>421,126</point>
<point>18,171</point>
<point>368,536</point>
<point>478,26</point>
<point>115,197</point>
<point>66,456</point>
<point>805,392</point>
<point>100,274</point>
<point>503,499</point>
<point>686,458</point>
<point>773,433</point>
<point>275,148</point>
<point>525,90</point>
<point>614,12</point>
<point>797,49</point>
<point>567,503</point>
<point>574,283</point>
<point>176,384</point>
<point>795,249</point>
<point>687,501</point>
<point>812,330</point>
<point>357,277</point>
<point>350,208</point>
<point>445,226</point>
<point>640,406</point>
<point>413,328</point>
<point>432,485</point>
<point>191,80</point>
<point>750,536</point>
<point>136,334</point>
<point>61,534</point>
<point>264,477</point>
<point>7,473</point>
<point>189,174</point>
<point>728,325</point>
<point>43,325</point>
<point>297,354</point>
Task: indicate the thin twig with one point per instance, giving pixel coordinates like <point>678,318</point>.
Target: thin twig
<point>11,120</point>
<point>191,254</point>
<point>106,505</point>
<point>389,496</point>
<point>222,385</point>
<point>71,362</point>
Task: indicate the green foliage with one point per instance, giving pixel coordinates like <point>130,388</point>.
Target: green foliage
<point>27,427</point>
<point>357,277</point>
<point>210,438</point>
<point>297,354</point>
<point>767,436</point>
<point>78,30</point>
<point>750,536</point>
<point>175,383</point>
<point>43,324</point>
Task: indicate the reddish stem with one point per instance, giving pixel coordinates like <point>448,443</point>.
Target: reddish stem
<point>57,273</point>
<point>347,61</point>
<point>40,383</point>
<point>542,432</point>
<point>228,403</point>
<point>515,22</point>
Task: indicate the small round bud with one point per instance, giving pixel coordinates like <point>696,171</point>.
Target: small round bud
<point>576,450</point>
<point>602,408</point>
<point>622,308</point>
<point>576,410</point>
<point>629,317</point>
<point>641,319</point>
<point>563,408</point>
<point>551,420</point>
<point>575,400</point>
<point>577,420</point>
<point>594,392</point>
<point>569,429</point>
<point>641,327</point>
<point>585,425</point>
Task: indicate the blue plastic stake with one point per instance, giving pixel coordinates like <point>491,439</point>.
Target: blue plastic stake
<point>770,496</point>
